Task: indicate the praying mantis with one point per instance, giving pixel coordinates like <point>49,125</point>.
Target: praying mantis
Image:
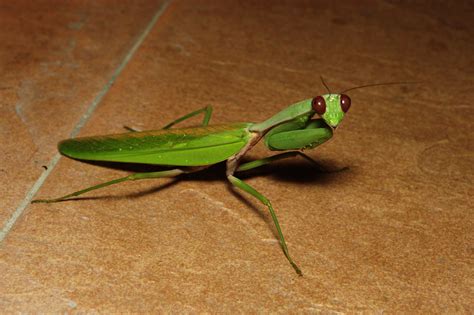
<point>302,125</point>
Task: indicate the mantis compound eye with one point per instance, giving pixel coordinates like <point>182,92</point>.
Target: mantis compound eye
<point>345,103</point>
<point>319,105</point>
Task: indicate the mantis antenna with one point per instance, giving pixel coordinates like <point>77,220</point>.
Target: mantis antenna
<point>325,85</point>
<point>375,84</point>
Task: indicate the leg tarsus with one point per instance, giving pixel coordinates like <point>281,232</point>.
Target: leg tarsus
<point>131,129</point>
<point>318,166</point>
<point>249,189</point>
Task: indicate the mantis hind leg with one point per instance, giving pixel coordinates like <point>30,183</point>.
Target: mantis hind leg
<point>249,189</point>
<point>207,117</point>
<point>136,176</point>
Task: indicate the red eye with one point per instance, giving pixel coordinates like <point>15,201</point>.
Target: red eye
<point>345,103</point>
<point>319,105</point>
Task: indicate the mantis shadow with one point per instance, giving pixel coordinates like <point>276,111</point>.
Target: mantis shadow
<point>295,171</point>
<point>292,171</point>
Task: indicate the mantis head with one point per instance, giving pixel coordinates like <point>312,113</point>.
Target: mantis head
<point>331,108</point>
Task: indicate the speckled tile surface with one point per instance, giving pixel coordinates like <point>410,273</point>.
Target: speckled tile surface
<point>392,233</point>
<point>56,59</point>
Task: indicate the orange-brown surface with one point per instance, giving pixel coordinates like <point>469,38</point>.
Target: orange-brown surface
<point>392,233</point>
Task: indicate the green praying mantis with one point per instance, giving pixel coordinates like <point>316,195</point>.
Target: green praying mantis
<point>303,125</point>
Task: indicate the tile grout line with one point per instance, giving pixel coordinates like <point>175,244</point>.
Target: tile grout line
<point>82,121</point>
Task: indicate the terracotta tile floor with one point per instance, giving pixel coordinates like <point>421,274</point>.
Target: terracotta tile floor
<point>392,233</point>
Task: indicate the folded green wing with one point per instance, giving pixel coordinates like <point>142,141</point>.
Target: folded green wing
<point>180,147</point>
